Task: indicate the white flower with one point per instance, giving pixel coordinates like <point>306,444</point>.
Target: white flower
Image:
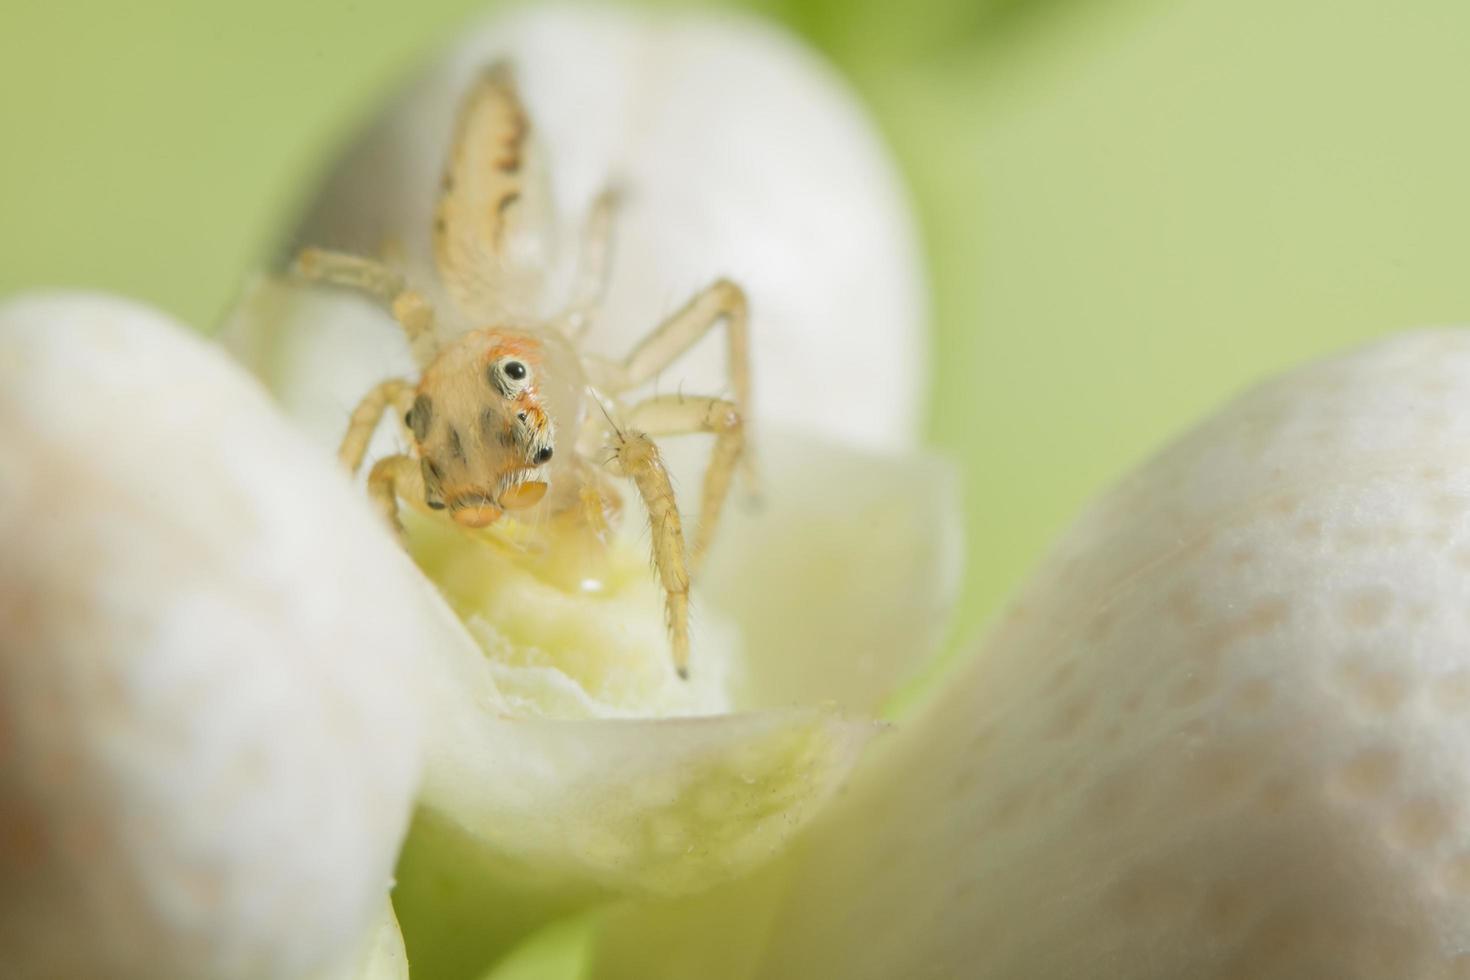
<point>1221,733</point>
<point>243,819</point>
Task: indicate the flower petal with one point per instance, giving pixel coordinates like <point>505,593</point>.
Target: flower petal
<point>741,155</point>
<point>655,807</point>
<point>525,820</point>
<point>1223,732</point>
<point>382,958</point>
<point>206,763</point>
<point>842,577</point>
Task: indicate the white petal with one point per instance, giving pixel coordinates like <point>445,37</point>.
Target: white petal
<point>655,807</point>
<point>556,645</point>
<point>625,806</point>
<point>207,760</point>
<point>842,578</point>
<point>525,820</point>
<point>382,956</point>
<point>1223,733</point>
<point>742,155</point>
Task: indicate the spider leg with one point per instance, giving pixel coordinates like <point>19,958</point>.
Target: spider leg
<point>637,458</point>
<point>722,302</point>
<point>677,415</point>
<point>594,262</point>
<point>390,478</point>
<point>408,306</point>
<point>395,393</point>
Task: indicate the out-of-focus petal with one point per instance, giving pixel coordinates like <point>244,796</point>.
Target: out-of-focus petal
<point>623,806</point>
<point>526,820</point>
<point>382,957</point>
<point>1223,732</point>
<point>648,807</point>
<point>206,760</point>
<point>842,577</point>
<point>740,154</point>
<point>558,951</point>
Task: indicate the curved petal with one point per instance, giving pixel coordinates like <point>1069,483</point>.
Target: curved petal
<point>621,806</point>
<point>526,820</point>
<point>206,763</point>
<point>842,577</point>
<point>567,634</point>
<point>649,807</point>
<point>1221,734</point>
<point>740,155</point>
<point>382,957</point>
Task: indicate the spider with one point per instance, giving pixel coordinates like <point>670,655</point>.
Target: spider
<point>498,420</point>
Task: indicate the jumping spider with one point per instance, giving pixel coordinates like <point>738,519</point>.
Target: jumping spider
<point>499,418</point>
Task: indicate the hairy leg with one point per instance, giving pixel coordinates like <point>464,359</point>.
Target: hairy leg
<point>395,393</point>
<point>637,457</point>
<point>408,306</point>
<point>678,415</point>
<point>594,263</point>
<point>393,477</point>
<point>723,302</point>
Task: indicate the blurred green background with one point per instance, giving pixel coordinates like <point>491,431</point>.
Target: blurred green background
<point>1131,207</point>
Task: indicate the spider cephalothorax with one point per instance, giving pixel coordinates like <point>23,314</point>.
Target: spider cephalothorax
<point>497,419</point>
<point>481,427</point>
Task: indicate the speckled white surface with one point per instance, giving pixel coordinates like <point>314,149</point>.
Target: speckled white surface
<point>1225,732</point>
<point>206,761</point>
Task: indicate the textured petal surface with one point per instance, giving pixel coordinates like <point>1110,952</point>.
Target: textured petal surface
<point>740,155</point>
<point>656,807</point>
<point>623,806</point>
<point>526,820</point>
<point>1222,734</point>
<point>206,762</point>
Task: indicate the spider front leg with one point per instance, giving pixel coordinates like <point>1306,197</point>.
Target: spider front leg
<point>393,477</point>
<point>408,306</point>
<point>637,458</point>
<point>394,393</point>
<point>670,415</point>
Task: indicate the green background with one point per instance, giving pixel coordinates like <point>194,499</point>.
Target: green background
<point>1131,207</point>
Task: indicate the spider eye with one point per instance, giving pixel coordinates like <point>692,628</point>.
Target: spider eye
<point>514,370</point>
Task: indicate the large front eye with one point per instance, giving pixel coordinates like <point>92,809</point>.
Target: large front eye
<point>510,375</point>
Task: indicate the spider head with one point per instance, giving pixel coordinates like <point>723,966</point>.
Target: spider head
<point>482,429</point>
